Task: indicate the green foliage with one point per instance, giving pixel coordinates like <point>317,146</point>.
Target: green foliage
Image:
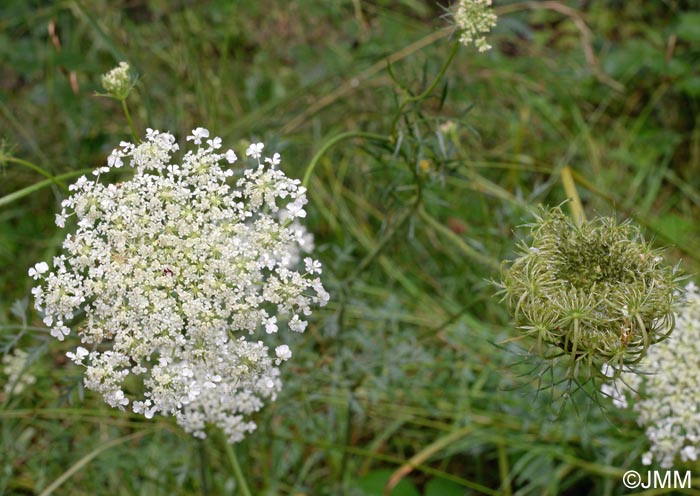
<point>413,365</point>
<point>373,483</point>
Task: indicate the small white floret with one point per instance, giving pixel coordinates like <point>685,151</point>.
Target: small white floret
<point>271,325</point>
<point>78,356</point>
<point>283,352</point>
<point>61,220</point>
<point>275,160</point>
<point>197,135</point>
<point>255,150</point>
<point>38,270</point>
<point>312,266</point>
<point>231,156</point>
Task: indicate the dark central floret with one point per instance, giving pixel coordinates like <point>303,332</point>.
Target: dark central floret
<point>588,262</point>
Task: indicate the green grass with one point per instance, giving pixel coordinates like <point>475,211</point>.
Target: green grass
<point>411,366</point>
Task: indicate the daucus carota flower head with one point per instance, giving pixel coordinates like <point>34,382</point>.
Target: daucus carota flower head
<point>171,274</point>
<point>117,82</point>
<point>664,389</point>
<point>474,19</point>
<point>595,292</point>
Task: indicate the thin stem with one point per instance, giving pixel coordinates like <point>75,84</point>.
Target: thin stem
<point>204,470</point>
<point>35,168</point>
<point>574,346</point>
<point>567,180</point>
<point>348,435</point>
<point>504,468</point>
<point>237,472</point>
<point>645,333</point>
<point>85,460</point>
<point>128,119</point>
<point>439,76</point>
<point>429,90</point>
<point>424,455</point>
<point>355,83</point>
<point>333,141</point>
<point>16,195</point>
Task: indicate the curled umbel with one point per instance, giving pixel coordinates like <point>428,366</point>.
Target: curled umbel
<point>596,292</point>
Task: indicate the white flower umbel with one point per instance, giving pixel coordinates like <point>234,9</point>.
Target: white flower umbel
<point>169,274</point>
<point>473,19</point>
<point>117,82</point>
<point>664,389</point>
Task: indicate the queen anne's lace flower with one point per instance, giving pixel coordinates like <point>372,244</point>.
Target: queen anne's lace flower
<point>664,389</point>
<point>475,18</point>
<point>592,293</point>
<point>170,272</point>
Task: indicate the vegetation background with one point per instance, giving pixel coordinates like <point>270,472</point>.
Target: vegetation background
<point>410,375</point>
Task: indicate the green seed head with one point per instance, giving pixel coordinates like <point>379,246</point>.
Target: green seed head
<point>596,292</point>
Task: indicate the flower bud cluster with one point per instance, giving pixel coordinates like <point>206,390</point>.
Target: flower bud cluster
<point>117,82</point>
<point>664,389</point>
<point>171,274</point>
<point>474,18</point>
<point>596,292</point>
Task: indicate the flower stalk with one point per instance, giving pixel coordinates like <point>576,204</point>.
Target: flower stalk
<point>118,83</point>
<point>575,204</point>
<point>237,472</point>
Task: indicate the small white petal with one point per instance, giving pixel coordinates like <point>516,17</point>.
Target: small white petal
<point>231,156</point>
<point>283,352</point>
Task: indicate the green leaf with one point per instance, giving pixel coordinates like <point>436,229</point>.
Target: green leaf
<point>690,86</point>
<point>689,26</point>
<point>374,482</point>
<point>443,487</point>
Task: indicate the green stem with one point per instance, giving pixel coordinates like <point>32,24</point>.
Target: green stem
<point>576,206</point>
<point>504,468</point>
<point>16,195</point>
<point>128,119</point>
<point>204,470</point>
<point>442,72</point>
<point>35,168</point>
<point>237,472</point>
<point>429,90</point>
<point>85,460</point>
<point>332,142</point>
<point>424,455</point>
